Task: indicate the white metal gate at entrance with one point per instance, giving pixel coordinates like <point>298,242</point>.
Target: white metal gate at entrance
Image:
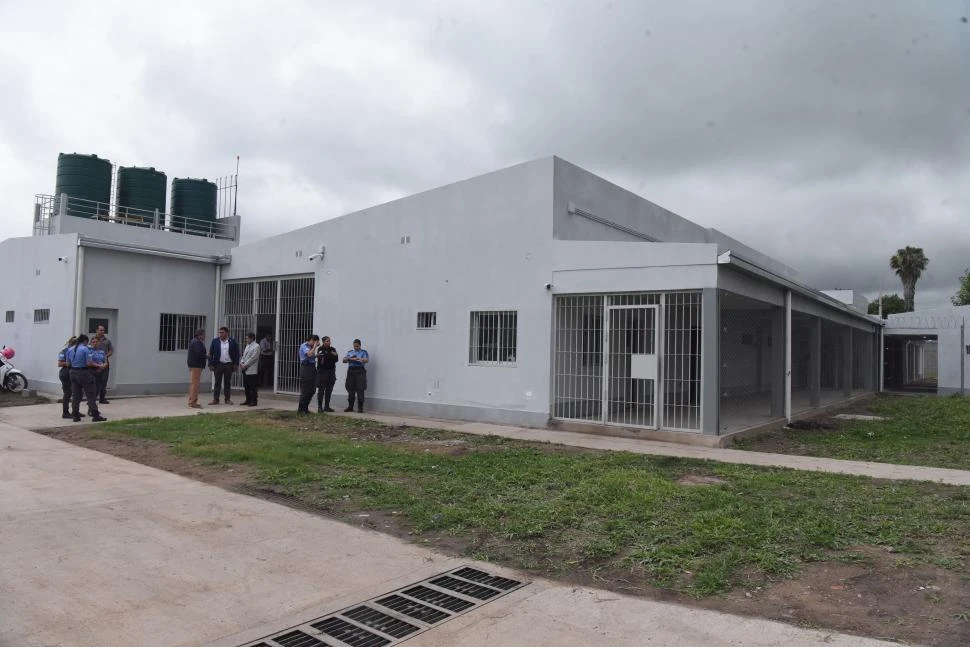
<point>630,360</point>
<point>280,306</point>
<point>630,367</point>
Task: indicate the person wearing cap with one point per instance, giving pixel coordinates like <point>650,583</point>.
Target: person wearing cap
<point>196,361</point>
<point>326,374</point>
<point>307,356</point>
<point>82,379</point>
<point>356,382</point>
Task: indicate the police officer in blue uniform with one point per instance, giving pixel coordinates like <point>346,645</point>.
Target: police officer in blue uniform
<point>356,376</point>
<point>82,379</point>
<point>326,374</point>
<point>64,375</point>
<point>307,355</point>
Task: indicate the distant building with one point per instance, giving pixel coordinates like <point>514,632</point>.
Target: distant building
<point>927,350</point>
<point>532,295</point>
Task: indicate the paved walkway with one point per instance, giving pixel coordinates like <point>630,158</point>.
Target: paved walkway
<point>98,551</point>
<point>48,416</point>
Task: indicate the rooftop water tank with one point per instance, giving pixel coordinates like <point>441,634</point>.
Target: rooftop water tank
<point>140,192</point>
<point>193,200</point>
<point>86,179</point>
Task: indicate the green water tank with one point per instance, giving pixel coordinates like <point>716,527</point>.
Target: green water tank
<point>193,199</point>
<point>87,180</point>
<point>140,192</point>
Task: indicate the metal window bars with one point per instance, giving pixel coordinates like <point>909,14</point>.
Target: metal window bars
<point>175,331</point>
<point>427,320</point>
<point>493,337</point>
<point>615,357</point>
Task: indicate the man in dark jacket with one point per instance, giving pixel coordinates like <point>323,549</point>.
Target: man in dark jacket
<point>196,361</point>
<point>223,360</point>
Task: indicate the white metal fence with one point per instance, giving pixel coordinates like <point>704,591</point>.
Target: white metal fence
<point>617,357</point>
<point>283,307</point>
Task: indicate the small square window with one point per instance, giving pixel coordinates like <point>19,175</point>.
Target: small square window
<point>42,315</point>
<point>427,320</point>
<point>175,331</point>
<point>493,338</point>
<point>9,316</point>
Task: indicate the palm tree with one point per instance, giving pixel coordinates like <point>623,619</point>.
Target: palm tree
<point>909,264</point>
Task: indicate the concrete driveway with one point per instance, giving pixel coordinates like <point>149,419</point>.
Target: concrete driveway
<point>100,551</point>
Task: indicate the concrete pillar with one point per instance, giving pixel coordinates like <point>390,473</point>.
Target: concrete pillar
<point>870,362</point>
<point>710,391</point>
<point>847,362</point>
<point>777,373</point>
<point>815,362</point>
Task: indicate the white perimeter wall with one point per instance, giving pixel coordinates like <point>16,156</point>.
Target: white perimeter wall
<point>34,279</point>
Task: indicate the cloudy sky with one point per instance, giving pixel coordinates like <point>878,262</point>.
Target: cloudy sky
<point>826,134</point>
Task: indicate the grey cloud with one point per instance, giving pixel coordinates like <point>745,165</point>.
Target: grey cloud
<point>826,134</point>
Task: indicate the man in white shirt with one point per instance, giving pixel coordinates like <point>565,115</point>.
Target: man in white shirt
<point>223,360</point>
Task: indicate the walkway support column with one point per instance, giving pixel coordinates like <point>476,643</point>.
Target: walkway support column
<point>778,362</point>
<point>815,363</point>
<point>710,391</point>
<point>788,362</point>
<point>847,362</point>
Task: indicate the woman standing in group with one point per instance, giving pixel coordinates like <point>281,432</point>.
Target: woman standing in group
<point>99,357</point>
<point>64,375</point>
<point>250,368</point>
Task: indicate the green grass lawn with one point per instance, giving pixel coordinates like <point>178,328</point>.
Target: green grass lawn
<point>921,430</point>
<point>553,509</point>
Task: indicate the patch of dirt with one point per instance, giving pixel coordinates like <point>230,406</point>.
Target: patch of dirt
<point>154,454</point>
<point>696,479</point>
<point>873,592</point>
<point>8,399</point>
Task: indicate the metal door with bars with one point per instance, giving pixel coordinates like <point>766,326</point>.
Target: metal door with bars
<point>628,359</point>
<point>280,306</point>
<point>631,366</point>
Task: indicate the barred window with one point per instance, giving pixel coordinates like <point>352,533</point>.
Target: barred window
<point>176,331</point>
<point>492,338</point>
<point>42,315</point>
<point>427,320</point>
<point>9,316</point>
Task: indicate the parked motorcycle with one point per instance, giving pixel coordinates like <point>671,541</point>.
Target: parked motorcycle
<point>11,377</point>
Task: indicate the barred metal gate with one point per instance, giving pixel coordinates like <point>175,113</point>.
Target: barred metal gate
<point>280,306</point>
<point>628,359</point>
<point>631,367</point>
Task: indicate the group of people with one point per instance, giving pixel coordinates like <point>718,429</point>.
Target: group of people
<point>318,369</point>
<point>84,364</point>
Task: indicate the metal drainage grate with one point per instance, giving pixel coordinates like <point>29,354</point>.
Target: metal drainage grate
<point>398,615</point>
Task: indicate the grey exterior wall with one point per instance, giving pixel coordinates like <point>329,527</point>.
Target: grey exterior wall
<point>35,279</point>
<point>615,204</point>
<point>141,288</point>
<point>481,244</point>
<point>142,236</point>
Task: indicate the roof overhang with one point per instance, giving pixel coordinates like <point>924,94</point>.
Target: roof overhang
<point>745,266</point>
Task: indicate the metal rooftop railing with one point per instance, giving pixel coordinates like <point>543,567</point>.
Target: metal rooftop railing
<point>48,206</point>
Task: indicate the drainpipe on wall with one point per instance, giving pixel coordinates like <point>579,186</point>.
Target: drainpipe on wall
<point>788,355</point>
<point>79,291</point>
<point>215,306</point>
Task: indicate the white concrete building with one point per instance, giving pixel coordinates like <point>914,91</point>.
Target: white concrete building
<point>928,350</point>
<point>538,293</point>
